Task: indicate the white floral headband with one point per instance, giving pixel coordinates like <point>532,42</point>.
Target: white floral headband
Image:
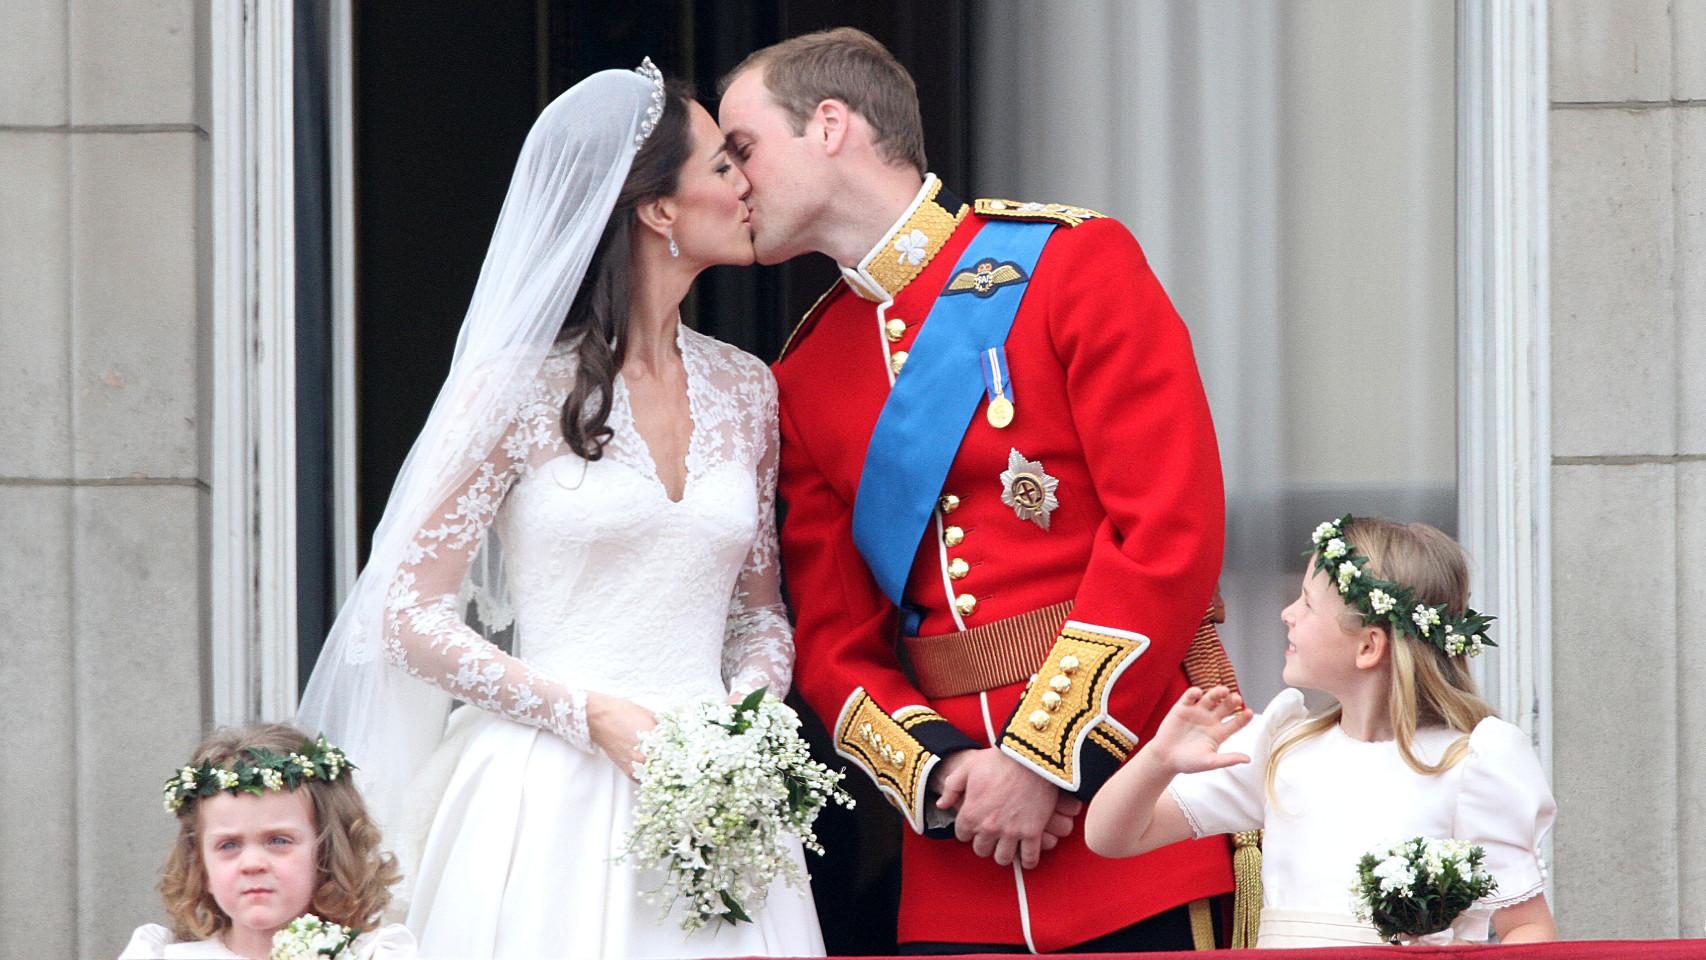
<point>1383,601</point>
<point>257,770</point>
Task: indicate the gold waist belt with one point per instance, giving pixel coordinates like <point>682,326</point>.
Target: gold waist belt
<point>1001,652</point>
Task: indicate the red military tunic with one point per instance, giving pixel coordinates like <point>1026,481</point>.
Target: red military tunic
<point>1108,401</point>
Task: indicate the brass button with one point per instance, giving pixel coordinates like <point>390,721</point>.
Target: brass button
<point>1069,664</point>
<point>897,360</point>
<point>953,536</point>
<point>1060,684</point>
<point>895,329</point>
<point>949,503</point>
<point>1051,700</point>
<point>958,568</point>
<point>1039,719</point>
<point>966,604</point>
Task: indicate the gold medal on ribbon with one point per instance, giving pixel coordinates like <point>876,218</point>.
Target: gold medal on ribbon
<point>997,387</point>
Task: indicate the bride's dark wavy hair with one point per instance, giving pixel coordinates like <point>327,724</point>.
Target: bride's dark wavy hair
<point>599,317</point>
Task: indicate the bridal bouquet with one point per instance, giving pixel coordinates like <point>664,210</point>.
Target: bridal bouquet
<point>1420,886</point>
<point>310,938</point>
<point>722,788</point>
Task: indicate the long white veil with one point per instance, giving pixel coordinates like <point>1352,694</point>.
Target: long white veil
<point>566,181</point>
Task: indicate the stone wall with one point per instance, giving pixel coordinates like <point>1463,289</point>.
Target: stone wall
<point>104,275</point>
<point>1628,249</point>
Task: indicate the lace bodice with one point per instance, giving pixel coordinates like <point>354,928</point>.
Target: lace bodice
<point>613,586</point>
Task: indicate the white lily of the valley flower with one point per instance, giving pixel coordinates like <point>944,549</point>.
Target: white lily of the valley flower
<point>1425,618</point>
<point>1395,873</point>
<point>1347,572</point>
<point>1381,601</point>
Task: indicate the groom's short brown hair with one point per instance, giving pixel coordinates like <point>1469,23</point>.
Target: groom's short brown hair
<point>851,66</point>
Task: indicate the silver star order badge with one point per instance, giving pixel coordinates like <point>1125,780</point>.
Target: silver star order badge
<point>1028,489</point>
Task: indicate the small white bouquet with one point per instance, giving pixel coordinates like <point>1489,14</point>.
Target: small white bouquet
<point>1419,886</point>
<point>722,788</point>
<point>310,938</point>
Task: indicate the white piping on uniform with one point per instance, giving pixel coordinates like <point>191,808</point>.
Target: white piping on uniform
<point>947,582</point>
<point>1024,906</point>
<point>883,339</point>
<point>1018,870</point>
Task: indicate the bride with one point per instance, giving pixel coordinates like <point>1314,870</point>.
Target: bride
<point>599,480</point>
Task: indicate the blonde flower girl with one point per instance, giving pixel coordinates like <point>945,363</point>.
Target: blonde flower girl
<point>1383,626</point>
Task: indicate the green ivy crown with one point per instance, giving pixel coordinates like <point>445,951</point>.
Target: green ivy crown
<point>258,770</point>
<point>1383,601</point>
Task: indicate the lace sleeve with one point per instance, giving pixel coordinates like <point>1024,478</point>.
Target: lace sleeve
<point>424,630</point>
<point>758,645</point>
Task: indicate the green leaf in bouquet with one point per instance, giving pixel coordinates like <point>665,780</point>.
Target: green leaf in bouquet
<point>746,710</point>
<point>735,914</point>
<point>753,699</point>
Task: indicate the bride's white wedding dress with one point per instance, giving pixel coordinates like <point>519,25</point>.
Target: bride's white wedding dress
<point>519,822</point>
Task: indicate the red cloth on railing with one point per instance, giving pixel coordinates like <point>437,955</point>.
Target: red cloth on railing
<point>1561,950</point>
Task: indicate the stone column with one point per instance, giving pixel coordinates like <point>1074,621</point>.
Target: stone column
<point>1628,248</point>
<point>103,472</point>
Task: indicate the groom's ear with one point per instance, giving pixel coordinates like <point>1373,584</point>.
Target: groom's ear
<point>830,125</point>
<point>657,215</point>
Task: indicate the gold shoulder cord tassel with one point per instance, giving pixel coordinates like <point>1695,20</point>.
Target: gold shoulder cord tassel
<point>1247,888</point>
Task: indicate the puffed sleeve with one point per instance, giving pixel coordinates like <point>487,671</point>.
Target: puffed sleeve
<point>390,942</point>
<point>1233,799</point>
<point>1505,805</point>
<point>148,942</point>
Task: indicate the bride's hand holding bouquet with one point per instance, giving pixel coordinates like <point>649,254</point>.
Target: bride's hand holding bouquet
<point>721,788</point>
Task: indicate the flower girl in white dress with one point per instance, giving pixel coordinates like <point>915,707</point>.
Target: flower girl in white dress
<point>1408,750</point>
<point>270,827</point>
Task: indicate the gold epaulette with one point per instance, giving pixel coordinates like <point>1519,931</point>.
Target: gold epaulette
<point>807,317</point>
<point>1064,214</point>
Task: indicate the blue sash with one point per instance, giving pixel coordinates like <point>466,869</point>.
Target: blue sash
<point>919,432</point>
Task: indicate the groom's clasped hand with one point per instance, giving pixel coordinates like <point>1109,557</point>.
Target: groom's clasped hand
<point>1002,809</point>
<point>1005,812</point>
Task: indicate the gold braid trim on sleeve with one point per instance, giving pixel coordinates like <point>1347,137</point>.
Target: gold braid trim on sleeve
<point>1112,741</point>
<point>1066,703</point>
<point>891,756</point>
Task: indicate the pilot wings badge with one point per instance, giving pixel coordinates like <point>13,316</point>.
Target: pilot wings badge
<point>985,278</point>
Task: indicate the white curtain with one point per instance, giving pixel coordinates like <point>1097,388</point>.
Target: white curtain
<point>1289,169</point>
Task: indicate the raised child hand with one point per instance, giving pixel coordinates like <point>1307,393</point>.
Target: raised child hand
<point>1190,737</point>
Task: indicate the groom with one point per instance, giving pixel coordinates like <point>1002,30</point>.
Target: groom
<point>1004,515</point>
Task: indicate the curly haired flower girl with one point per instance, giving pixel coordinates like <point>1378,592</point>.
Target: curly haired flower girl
<point>271,828</point>
<point>1409,750</point>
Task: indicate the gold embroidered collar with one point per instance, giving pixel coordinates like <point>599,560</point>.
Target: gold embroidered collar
<point>910,244</point>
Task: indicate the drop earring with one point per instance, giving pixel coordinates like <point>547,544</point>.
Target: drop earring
<point>674,250</point>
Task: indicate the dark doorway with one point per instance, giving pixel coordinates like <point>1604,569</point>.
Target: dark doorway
<point>444,97</point>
